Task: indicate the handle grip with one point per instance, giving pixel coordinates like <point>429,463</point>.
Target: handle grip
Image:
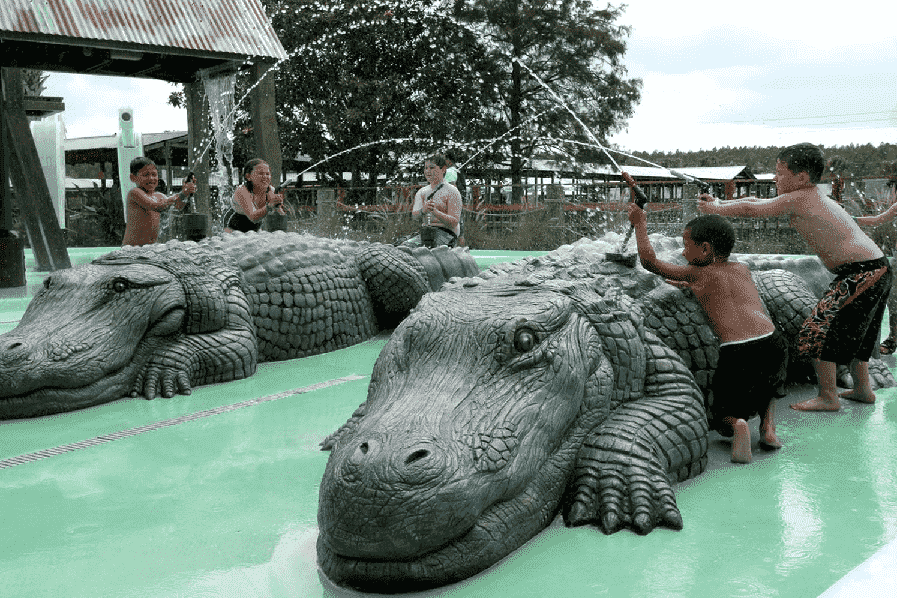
<point>704,185</point>
<point>641,198</point>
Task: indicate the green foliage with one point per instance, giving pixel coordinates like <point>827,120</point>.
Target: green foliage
<point>390,81</point>
<point>373,87</point>
<point>557,57</point>
<point>849,161</point>
<point>33,82</point>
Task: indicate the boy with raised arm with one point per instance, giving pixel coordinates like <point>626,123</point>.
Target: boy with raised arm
<point>752,353</point>
<point>145,204</point>
<point>846,323</point>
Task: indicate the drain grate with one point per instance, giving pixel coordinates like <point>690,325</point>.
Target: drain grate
<point>76,446</point>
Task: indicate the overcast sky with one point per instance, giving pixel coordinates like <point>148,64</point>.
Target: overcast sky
<point>715,74</point>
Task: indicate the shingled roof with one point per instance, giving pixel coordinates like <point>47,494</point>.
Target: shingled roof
<point>159,39</point>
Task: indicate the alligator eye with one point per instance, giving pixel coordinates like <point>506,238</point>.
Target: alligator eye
<point>525,340</point>
<point>120,286</point>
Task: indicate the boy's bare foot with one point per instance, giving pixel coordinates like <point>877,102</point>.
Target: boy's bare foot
<point>859,397</point>
<point>770,441</point>
<point>741,442</point>
<point>818,404</point>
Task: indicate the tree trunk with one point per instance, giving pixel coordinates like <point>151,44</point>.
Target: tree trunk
<point>514,106</point>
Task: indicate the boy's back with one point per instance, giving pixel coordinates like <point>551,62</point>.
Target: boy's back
<point>829,230</point>
<point>730,299</point>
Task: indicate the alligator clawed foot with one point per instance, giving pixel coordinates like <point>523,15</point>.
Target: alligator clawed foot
<point>601,499</point>
<point>163,383</point>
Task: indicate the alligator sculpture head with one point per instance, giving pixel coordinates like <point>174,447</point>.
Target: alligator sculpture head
<point>562,384</point>
<point>474,430</point>
<point>91,334</point>
<point>162,319</point>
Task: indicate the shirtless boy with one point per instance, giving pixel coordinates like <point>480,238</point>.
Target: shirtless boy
<point>752,352</point>
<point>145,203</point>
<point>845,325</point>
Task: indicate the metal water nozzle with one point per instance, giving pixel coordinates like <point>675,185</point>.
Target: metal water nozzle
<point>704,185</point>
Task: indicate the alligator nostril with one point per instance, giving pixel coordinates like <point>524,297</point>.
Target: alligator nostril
<point>417,456</point>
<point>363,448</point>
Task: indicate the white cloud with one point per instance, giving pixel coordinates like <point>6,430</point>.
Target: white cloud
<point>92,104</point>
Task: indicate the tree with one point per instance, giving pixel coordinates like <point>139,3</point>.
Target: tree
<point>548,50</point>
<point>367,84</point>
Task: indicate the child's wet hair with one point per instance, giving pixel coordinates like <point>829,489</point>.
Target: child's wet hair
<point>138,163</point>
<point>437,159</point>
<point>713,229</point>
<point>804,157</point>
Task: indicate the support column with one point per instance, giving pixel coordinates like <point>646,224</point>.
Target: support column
<point>12,250</point>
<point>263,110</point>
<point>198,139</point>
<point>24,168</point>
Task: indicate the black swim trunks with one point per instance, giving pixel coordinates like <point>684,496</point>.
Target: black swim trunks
<point>846,323</point>
<point>234,221</point>
<point>747,377</point>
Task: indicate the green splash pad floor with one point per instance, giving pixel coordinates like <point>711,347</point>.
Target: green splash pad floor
<point>216,494</point>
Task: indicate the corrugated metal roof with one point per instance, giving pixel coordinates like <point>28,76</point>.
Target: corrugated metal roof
<point>232,27</point>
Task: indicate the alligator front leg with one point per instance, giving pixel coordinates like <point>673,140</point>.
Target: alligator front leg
<point>175,366</point>
<point>624,469</point>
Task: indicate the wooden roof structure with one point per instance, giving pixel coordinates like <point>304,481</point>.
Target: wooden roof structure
<point>160,39</point>
<point>171,40</point>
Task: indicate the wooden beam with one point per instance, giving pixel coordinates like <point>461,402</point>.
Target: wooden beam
<point>198,138</point>
<point>32,194</point>
<point>263,110</point>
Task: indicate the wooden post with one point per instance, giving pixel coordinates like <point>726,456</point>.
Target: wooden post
<point>25,170</point>
<point>326,211</point>
<point>12,250</point>
<point>5,191</point>
<point>265,131</point>
<point>198,139</point>
<point>169,178</point>
<point>554,203</point>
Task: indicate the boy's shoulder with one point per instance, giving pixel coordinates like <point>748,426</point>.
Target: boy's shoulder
<point>728,268</point>
<point>805,197</point>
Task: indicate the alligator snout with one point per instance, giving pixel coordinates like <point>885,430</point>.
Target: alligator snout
<point>391,472</point>
<point>392,462</point>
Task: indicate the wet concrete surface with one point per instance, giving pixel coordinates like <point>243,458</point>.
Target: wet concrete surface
<point>215,494</point>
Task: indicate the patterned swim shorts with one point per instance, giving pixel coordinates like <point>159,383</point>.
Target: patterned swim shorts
<point>846,323</point>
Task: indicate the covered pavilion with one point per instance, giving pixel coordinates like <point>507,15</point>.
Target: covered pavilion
<point>175,41</point>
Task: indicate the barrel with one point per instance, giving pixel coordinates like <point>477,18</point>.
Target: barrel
<point>275,221</point>
<point>194,226</point>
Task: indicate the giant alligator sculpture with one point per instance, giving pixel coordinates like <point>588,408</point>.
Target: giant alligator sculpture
<point>161,319</point>
<point>561,384</point>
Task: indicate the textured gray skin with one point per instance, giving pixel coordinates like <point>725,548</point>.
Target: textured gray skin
<point>561,384</point>
<point>161,319</point>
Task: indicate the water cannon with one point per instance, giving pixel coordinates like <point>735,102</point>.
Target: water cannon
<point>126,127</point>
<point>641,200</point>
<point>703,185</point>
<point>129,145</point>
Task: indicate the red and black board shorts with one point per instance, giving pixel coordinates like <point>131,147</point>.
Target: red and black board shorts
<point>846,323</point>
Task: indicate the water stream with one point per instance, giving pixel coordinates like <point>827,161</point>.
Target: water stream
<point>220,94</point>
